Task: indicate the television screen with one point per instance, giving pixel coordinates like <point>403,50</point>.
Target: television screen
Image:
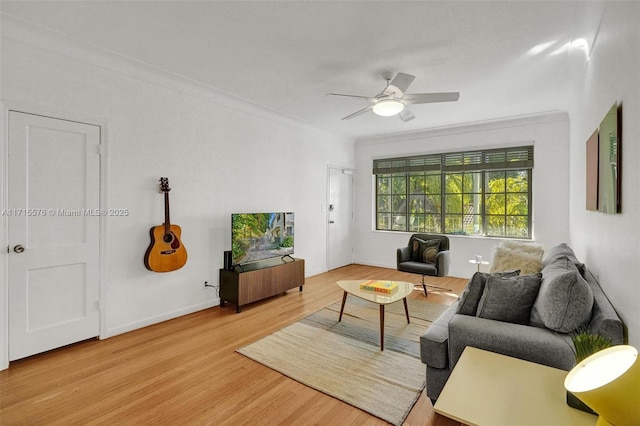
<point>259,236</point>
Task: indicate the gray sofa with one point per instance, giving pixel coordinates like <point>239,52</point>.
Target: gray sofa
<point>565,297</point>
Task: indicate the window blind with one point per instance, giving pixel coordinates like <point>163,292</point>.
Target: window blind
<point>464,161</point>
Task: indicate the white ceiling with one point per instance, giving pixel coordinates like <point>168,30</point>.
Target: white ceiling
<point>286,55</point>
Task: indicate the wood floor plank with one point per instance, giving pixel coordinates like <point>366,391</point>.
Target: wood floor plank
<point>186,370</point>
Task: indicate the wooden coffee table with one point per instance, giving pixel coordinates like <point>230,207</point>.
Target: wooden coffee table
<point>486,388</point>
<point>353,287</point>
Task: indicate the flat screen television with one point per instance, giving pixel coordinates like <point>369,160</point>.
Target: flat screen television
<point>260,236</point>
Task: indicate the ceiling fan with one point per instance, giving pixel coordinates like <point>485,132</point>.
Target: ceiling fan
<point>393,100</point>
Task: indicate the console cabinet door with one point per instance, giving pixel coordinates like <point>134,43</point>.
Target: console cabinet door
<point>290,275</point>
<point>256,285</point>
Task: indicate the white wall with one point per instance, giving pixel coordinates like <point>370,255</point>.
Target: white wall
<point>609,244</point>
<point>221,156</point>
<point>549,133</point>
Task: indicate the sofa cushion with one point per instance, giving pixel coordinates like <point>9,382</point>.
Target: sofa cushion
<point>470,297</point>
<point>539,345</point>
<point>565,300</point>
<point>418,268</point>
<point>509,299</point>
<point>424,250</point>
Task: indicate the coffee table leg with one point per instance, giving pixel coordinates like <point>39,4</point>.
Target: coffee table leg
<point>382,327</point>
<point>406,309</point>
<point>344,299</point>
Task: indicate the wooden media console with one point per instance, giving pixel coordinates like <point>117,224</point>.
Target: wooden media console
<point>257,282</point>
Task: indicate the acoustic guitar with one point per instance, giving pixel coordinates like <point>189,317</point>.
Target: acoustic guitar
<point>166,252</point>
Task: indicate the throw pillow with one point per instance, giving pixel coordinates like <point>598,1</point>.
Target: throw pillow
<point>561,252</point>
<point>425,251</point>
<point>565,300</point>
<point>415,248</point>
<point>507,259</point>
<point>470,297</point>
<point>509,299</point>
<point>534,249</point>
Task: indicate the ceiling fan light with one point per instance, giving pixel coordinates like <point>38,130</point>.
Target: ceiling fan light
<point>388,107</point>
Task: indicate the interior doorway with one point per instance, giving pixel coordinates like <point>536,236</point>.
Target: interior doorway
<point>340,217</point>
<point>53,188</point>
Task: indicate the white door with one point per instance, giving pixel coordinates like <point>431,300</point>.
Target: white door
<point>53,197</point>
<point>340,216</point>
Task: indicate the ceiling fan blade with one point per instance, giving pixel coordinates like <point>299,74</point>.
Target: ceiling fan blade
<point>425,98</point>
<point>357,113</point>
<point>400,83</point>
<point>406,114</point>
<point>368,98</point>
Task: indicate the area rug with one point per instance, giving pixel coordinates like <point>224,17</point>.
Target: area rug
<point>343,359</point>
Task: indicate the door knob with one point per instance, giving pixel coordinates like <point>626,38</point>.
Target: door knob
<point>332,221</point>
<point>18,248</point>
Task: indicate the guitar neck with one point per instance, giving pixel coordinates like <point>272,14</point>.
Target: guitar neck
<point>167,221</point>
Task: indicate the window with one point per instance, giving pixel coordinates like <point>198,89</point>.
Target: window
<point>484,192</point>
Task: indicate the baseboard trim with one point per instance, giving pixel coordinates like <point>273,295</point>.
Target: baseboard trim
<point>135,325</point>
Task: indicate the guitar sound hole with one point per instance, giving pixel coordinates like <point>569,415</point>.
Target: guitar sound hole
<point>167,238</point>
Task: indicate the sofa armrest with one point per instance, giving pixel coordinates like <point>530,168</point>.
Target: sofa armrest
<point>403,254</point>
<point>442,263</point>
<point>604,319</point>
<point>529,343</point>
<point>434,343</point>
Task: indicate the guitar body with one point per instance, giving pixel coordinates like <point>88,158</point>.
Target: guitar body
<point>165,254</point>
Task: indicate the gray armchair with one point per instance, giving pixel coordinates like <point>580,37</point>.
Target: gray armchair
<point>413,258</point>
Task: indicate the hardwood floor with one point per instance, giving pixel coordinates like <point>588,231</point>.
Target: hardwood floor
<point>186,371</point>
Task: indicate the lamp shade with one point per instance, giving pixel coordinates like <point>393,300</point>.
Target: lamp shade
<point>388,107</point>
<point>609,382</point>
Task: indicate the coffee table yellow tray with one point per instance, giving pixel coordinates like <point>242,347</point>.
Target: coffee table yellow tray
<point>486,388</point>
<point>353,287</point>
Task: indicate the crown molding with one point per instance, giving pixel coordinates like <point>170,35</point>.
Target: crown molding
<point>38,37</point>
<point>474,127</point>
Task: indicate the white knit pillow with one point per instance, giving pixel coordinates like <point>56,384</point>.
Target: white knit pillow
<point>534,249</point>
<point>509,259</point>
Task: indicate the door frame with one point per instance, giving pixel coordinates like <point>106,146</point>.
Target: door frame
<point>328,200</point>
<point>7,106</point>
